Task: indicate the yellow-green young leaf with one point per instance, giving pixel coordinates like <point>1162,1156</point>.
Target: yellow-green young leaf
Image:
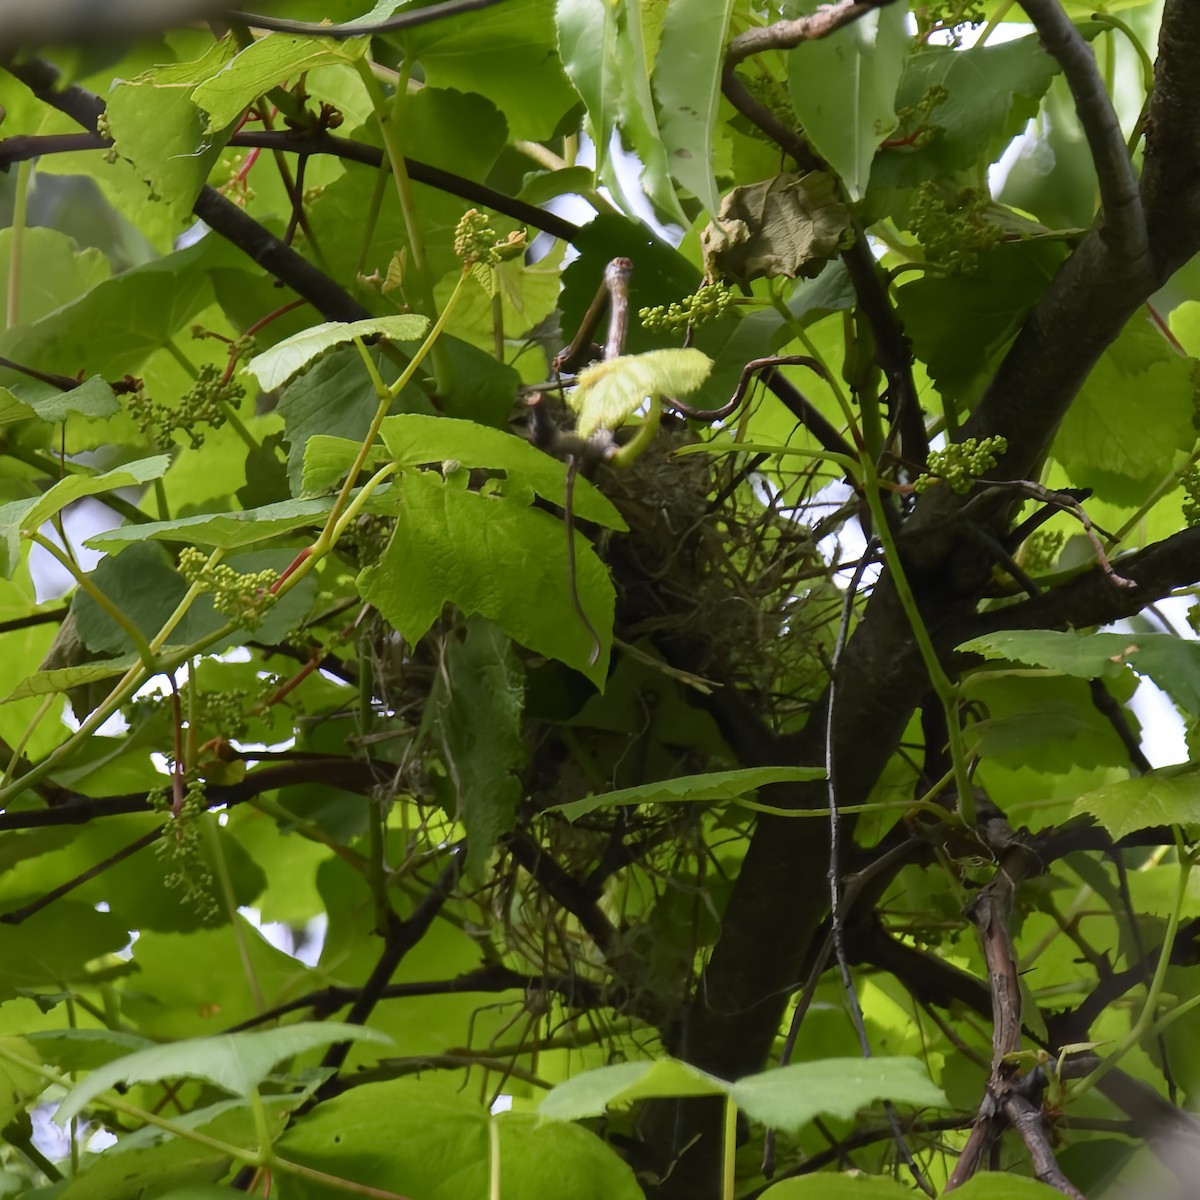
<point>609,393</point>
<point>274,367</point>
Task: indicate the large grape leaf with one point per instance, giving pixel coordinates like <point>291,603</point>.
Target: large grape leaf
<point>991,92</point>
<point>1173,663</point>
<point>275,59</point>
<point>447,1149</point>
<point>1121,434</point>
<point>496,557</point>
<point>476,709</point>
<point>416,440</point>
<point>157,127</point>
<point>28,515</point>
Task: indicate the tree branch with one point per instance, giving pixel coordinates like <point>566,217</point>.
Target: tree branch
<point>1124,221</point>
<point>324,1001</point>
<point>400,938</point>
<point>785,35</point>
<point>409,19</point>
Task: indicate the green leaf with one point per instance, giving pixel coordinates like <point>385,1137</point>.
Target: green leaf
<point>1100,438</point>
<point>158,1163</point>
<point>790,1097</point>
<point>115,327</point>
<point>608,393</point>
<point>961,324</point>
<point>64,679</point>
<point>275,59</point>
<point>719,786</point>
<point>838,1187</point>
<point>600,42</point>
<point>84,1049</point>
<point>27,516</point>
<point>997,1185</point>
<point>235,1062</point>
<point>415,440</point>
<point>13,410</point>
<point>141,584</point>
<point>476,709</point>
<point>507,53</point>
<point>92,398</point>
<point>228,531</point>
<point>495,557</point>
<point>787,225</point>
<point>156,127</point>
<point>687,86</point>
<point>590,1093</point>
<point>333,397</point>
<point>53,947</point>
<point>54,270</point>
<point>446,1150</point>
<point>992,92</point>
<point>327,461</point>
<point>1173,663</point>
<point>274,367</point>
<point>542,186</point>
<point>18,1085</point>
<point>843,89</point>
<point>1170,796</point>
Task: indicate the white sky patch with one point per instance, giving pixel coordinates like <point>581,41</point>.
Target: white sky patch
<point>306,948</point>
<point>80,520</point>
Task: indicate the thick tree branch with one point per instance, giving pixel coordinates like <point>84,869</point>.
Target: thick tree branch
<point>1091,598</point>
<point>1124,221</point>
<point>1171,167</point>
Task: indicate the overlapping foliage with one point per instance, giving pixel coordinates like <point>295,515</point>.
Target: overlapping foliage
<point>521,663</point>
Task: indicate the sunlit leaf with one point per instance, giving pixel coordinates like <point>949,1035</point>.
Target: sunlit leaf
<point>27,516</point>
<point>276,366</point>
<point>608,393</point>
<point>790,1097</point>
